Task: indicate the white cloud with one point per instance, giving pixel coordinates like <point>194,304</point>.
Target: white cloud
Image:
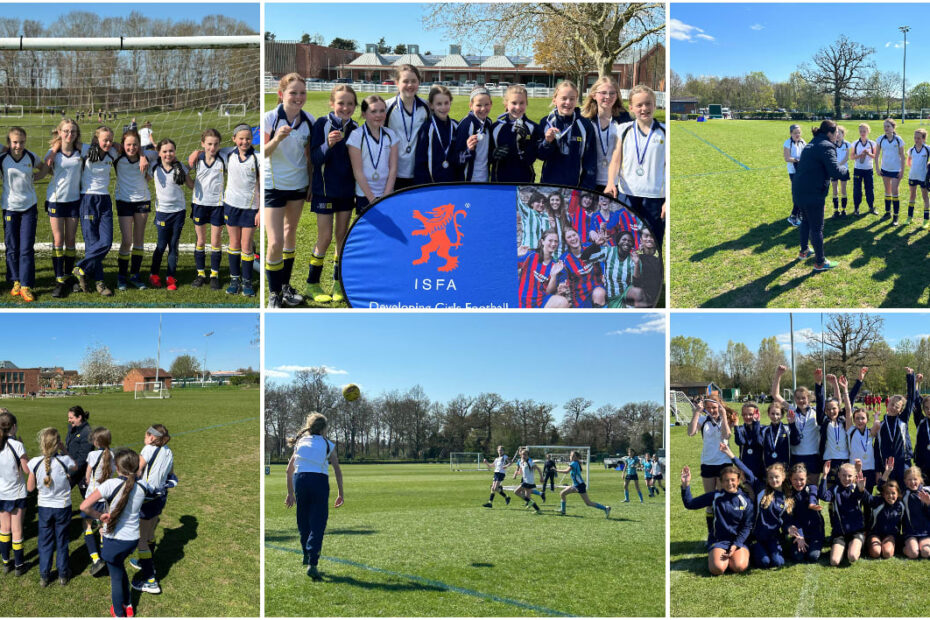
<point>757,27</point>
<point>326,369</point>
<point>896,44</point>
<point>681,31</point>
<point>651,323</point>
<point>276,374</point>
<point>805,336</point>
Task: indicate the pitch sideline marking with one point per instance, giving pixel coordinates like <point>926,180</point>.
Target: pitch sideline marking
<point>708,174</point>
<point>436,584</point>
<point>207,428</point>
<point>807,593</point>
<point>716,148</point>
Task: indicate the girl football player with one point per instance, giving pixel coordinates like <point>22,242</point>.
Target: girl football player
<point>630,474</point>
<point>602,107</point>
<point>100,468</point>
<point>170,177</point>
<point>20,169</point>
<point>889,164</point>
<point>527,470</point>
<point>917,177</point>
<point>333,198</point>
<point>435,144</point>
<point>567,148</point>
<point>473,146</point>
<point>287,131</point>
<point>14,468</point>
<point>96,209</point>
<point>792,154</point>
<point>803,426</point>
<point>842,160</point>
<point>583,275</point>
<point>863,151</point>
<point>207,206</point>
<point>53,469</point>
<point>539,274</point>
<point>710,419</point>
<point>122,498</point>
<point>887,513</point>
<point>515,139</point>
<point>133,205</point>
<point>916,524</point>
<point>405,114</point>
<point>847,524</point>
<point>240,210</point>
<point>639,159</point>
<point>63,200</point>
<point>156,472</point>
<point>499,467</point>
<point>804,523</point>
<point>578,485</point>
<point>374,151</point>
<point>732,519</point>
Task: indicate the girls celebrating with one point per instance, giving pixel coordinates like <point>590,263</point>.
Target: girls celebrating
<point>567,148</point>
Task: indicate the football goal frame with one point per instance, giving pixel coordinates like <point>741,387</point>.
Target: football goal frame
<point>466,461</point>
<point>681,406</point>
<point>150,390</point>
<point>11,110</point>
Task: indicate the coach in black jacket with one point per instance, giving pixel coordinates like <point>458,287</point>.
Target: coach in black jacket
<point>78,444</point>
<point>809,190</point>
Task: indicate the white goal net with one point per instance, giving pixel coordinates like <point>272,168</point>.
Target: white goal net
<point>682,407</point>
<point>151,389</point>
<point>561,455</point>
<point>11,111</point>
<point>466,461</point>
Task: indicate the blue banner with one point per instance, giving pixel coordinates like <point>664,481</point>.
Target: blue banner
<point>496,245</point>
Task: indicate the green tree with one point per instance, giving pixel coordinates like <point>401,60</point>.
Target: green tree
<point>688,358</point>
<point>919,97</point>
<point>739,362</point>
<point>840,70</point>
<point>400,49</point>
<point>382,46</point>
<point>184,366</point>
<point>344,44</point>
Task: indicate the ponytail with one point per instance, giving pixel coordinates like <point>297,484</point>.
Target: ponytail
<point>7,422</point>
<point>127,464</point>
<point>49,440</point>
<point>101,439</point>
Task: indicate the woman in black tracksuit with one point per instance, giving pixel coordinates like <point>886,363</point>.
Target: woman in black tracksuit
<point>809,190</point>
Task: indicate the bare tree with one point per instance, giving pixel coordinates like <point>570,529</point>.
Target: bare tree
<point>840,69</point>
<point>848,341</point>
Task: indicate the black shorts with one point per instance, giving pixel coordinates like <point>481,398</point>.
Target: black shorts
<point>128,209</point>
<point>917,183</point>
<point>63,209</point>
<point>581,487</point>
<point>499,476</point>
<point>280,197</point>
<point>203,215</point>
<point>527,485</point>
<point>888,173</point>
<point>633,476</point>
<point>243,218</point>
<point>658,477</point>
<point>328,206</point>
<point>712,471</point>
<point>844,539</point>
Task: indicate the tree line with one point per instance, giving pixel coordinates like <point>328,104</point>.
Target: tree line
<point>841,76</point>
<point>850,341</point>
<point>127,80</point>
<point>99,367</point>
<point>409,425</point>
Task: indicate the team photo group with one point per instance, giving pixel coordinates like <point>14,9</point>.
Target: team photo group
<point>819,454</point>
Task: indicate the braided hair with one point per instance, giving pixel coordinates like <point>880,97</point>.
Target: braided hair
<point>7,422</point>
<point>49,441</point>
<point>101,438</point>
<point>127,464</point>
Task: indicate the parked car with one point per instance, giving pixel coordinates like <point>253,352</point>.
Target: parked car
<point>388,83</point>
<point>503,84</point>
<point>454,83</point>
<point>315,80</point>
<point>343,81</point>
<point>490,85</point>
<point>471,83</point>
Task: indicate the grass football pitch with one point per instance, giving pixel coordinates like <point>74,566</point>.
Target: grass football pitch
<point>414,540</point>
<point>184,128</point>
<point>206,557</point>
<point>733,248</point>
<point>796,590</point>
<point>318,105</point>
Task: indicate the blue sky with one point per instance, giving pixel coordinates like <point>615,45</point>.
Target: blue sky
<point>62,339</point>
<point>735,39</point>
<point>51,11</point>
<point>606,357</point>
<point>751,327</point>
<point>397,23</point>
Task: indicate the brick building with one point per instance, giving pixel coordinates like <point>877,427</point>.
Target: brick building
<point>145,375</point>
<point>307,59</point>
<point>14,380</point>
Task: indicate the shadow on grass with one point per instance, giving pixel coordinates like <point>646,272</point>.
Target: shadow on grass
<point>355,531</point>
<point>170,548</point>
<point>482,565</point>
<point>384,587</point>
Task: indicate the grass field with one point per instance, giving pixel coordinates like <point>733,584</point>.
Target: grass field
<point>414,540</point>
<point>318,105</point>
<point>185,129</point>
<point>802,590</point>
<point>733,248</point>
<point>207,542</point>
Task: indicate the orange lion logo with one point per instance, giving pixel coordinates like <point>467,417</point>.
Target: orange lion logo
<point>439,242</point>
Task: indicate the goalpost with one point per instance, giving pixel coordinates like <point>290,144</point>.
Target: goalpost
<point>924,115</point>
<point>11,111</point>
<point>681,406</point>
<point>561,456</point>
<point>150,389</point>
<point>465,461</point>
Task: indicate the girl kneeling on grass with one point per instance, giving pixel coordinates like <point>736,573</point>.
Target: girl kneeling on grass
<point>308,487</point>
<point>887,513</point>
<point>733,517</point>
<point>122,498</point>
<point>916,525</point>
<point>847,522</point>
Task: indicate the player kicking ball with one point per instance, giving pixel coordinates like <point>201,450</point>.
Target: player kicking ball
<point>499,466</point>
<point>578,485</point>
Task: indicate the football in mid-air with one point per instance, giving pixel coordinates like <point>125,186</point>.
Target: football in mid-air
<point>351,392</point>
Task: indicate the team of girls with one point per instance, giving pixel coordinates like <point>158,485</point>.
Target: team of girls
<point>337,165</point>
<point>78,192</point>
<point>584,254</point>
<point>885,157</point>
<point>103,477</point>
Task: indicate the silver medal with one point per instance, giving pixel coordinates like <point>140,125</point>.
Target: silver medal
<point>558,134</point>
<point>640,172</point>
<point>375,176</point>
<point>480,137</point>
<point>774,455</point>
<point>749,451</point>
<point>408,148</point>
<point>603,163</point>
<point>445,164</point>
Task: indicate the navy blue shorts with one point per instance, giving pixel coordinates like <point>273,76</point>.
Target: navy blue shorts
<point>581,487</point>
<point>170,220</point>
<point>658,477</point>
<point>233,216</point>
<point>844,539</point>
<point>9,505</point>
<point>328,206</point>
<point>128,209</point>
<point>811,461</point>
<point>890,175</point>
<point>361,203</point>
<point>712,471</point>
<point>726,544</point>
<point>633,476</point>
<point>63,209</point>
<point>203,215</point>
<point>153,507</point>
<point>499,476</point>
<point>100,507</point>
<point>917,183</point>
<point>526,485</point>
<point>275,198</point>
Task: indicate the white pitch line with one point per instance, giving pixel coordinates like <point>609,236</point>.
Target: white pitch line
<point>805,598</point>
